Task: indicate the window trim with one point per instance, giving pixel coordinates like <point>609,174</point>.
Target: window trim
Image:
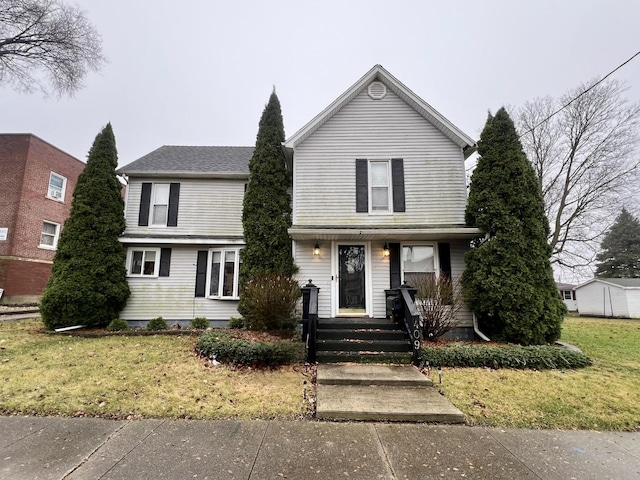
<point>236,274</point>
<point>370,186</point>
<point>63,189</point>
<point>152,206</point>
<point>156,266</point>
<point>436,257</point>
<point>56,236</point>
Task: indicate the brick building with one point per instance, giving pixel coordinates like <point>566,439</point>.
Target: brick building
<point>36,190</point>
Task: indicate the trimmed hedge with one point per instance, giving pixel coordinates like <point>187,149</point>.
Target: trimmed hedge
<point>118,325</point>
<point>156,324</point>
<point>227,349</point>
<point>200,323</point>
<point>538,357</point>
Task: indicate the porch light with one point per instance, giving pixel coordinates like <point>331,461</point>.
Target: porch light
<point>385,250</point>
<point>316,249</point>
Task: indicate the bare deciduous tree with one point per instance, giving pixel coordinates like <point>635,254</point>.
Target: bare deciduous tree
<point>438,300</point>
<point>45,43</point>
<point>587,161</point>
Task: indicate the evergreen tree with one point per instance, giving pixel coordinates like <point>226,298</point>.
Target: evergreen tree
<point>88,284</point>
<point>508,281</point>
<point>266,214</point>
<point>620,255</point>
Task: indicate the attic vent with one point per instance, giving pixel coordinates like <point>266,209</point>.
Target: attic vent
<point>377,90</point>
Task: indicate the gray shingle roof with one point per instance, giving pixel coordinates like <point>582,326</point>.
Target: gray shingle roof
<point>623,282</point>
<point>173,159</point>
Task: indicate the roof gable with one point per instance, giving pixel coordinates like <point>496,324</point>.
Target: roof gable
<point>177,160</point>
<point>378,73</point>
<point>624,283</point>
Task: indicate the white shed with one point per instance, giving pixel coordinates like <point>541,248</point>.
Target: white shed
<point>609,297</point>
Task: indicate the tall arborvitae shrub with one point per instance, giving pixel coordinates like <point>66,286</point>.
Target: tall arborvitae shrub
<point>508,281</point>
<point>266,214</point>
<point>620,249</point>
<point>88,284</point>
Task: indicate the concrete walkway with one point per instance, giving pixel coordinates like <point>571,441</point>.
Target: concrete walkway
<point>381,393</point>
<point>84,448</point>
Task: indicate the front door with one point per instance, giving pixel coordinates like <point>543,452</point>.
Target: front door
<point>351,276</point>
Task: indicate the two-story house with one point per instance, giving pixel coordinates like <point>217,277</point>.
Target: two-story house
<point>36,189</point>
<point>379,194</point>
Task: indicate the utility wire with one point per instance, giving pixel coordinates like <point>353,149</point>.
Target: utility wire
<point>576,98</point>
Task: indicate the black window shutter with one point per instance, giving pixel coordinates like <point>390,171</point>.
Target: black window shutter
<point>394,265</point>
<point>362,186</point>
<point>445,258</point>
<point>397,174</point>
<point>145,201</point>
<point>165,261</point>
<point>174,197</point>
<point>201,273</point>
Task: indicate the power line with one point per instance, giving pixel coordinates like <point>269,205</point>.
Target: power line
<point>580,95</point>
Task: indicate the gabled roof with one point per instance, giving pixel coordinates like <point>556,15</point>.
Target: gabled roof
<point>394,85</point>
<point>564,286</point>
<point>185,161</point>
<point>625,283</point>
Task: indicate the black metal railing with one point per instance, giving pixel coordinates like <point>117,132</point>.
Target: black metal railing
<point>411,319</point>
<point>310,319</point>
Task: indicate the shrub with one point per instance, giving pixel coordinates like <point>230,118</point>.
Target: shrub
<point>200,323</point>
<point>118,325</point>
<point>438,299</point>
<point>157,324</point>
<point>270,301</point>
<point>237,323</point>
<point>227,349</point>
<point>538,357</point>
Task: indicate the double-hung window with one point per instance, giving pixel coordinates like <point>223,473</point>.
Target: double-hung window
<point>160,207</point>
<point>49,235</point>
<point>143,262</point>
<point>380,189</point>
<point>224,265</point>
<point>57,187</point>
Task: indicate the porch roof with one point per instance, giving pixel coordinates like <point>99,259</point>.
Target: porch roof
<point>388,233</point>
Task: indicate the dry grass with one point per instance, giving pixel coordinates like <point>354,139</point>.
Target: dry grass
<point>601,397</point>
<point>122,376</point>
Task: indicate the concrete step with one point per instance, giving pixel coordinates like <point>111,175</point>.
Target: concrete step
<point>384,403</point>
<point>357,323</point>
<point>363,357</point>
<point>394,375</point>
<point>360,334</point>
<point>355,345</point>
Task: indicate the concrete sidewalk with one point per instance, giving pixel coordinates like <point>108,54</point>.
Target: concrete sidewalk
<point>83,448</point>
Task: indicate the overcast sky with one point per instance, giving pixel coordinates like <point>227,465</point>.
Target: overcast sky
<point>200,72</point>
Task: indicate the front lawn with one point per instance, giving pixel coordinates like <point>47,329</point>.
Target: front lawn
<point>135,376</point>
<point>601,397</point>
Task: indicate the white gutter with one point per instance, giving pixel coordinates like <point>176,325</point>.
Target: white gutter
<point>477,329</point>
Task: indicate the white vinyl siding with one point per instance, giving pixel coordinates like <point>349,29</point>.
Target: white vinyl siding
<point>324,166</point>
<point>208,207</point>
<point>458,250</point>
<point>316,268</point>
<point>173,297</point>
<point>607,300</point>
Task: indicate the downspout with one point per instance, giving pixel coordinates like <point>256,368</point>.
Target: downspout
<point>477,329</point>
